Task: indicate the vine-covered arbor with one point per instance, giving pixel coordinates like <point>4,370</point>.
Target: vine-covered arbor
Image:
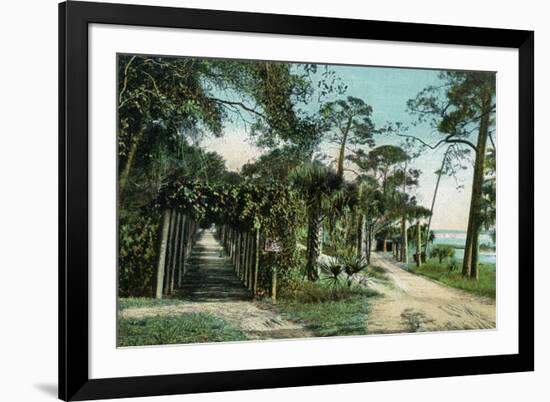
<point>245,216</point>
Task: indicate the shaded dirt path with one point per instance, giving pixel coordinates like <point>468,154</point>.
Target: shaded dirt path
<point>210,286</point>
<point>412,303</point>
<point>210,276</point>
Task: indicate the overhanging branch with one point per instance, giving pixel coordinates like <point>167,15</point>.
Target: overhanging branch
<point>447,140</point>
<point>236,103</point>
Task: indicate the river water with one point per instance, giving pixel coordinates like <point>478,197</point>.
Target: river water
<point>457,238</point>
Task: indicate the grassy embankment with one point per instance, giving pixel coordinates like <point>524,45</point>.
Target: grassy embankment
<point>329,317</point>
<point>329,310</point>
<point>323,309</point>
<point>171,329</point>
<point>485,286</point>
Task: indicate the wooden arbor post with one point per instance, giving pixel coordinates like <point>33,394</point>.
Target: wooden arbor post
<point>170,253</point>
<point>162,252</point>
<point>250,260</point>
<point>181,268</point>
<point>256,263</point>
<point>175,252</point>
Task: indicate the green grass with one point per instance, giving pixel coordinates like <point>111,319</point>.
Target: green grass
<point>376,272</point>
<point>328,311</point>
<point>175,329</point>
<point>334,318</point>
<point>136,302</point>
<point>485,286</point>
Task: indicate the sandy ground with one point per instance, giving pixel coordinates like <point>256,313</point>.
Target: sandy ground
<point>212,287</point>
<point>408,303</point>
<point>254,322</point>
<point>412,303</point>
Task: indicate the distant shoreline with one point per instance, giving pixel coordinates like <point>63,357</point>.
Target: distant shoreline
<point>484,248</point>
<point>457,231</point>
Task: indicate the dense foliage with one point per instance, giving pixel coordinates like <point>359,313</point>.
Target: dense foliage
<point>290,193</point>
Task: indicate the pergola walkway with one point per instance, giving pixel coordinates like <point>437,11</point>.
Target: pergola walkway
<point>210,276</point>
<point>211,286</point>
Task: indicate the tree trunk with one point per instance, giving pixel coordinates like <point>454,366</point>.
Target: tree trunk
<point>368,243</point>
<point>404,241</point>
<point>418,245</point>
<point>125,173</point>
<point>342,152</point>
<point>385,245</point>
<point>359,235</point>
<point>433,199</point>
<point>162,253</point>
<point>274,284</point>
<point>313,251</point>
<point>364,233</point>
<point>470,263</point>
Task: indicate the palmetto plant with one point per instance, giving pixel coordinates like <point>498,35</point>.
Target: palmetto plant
<point>349,265</point>
<point>333,270</point>
<point>353,264</point>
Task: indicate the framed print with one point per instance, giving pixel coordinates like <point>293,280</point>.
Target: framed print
<point>258,201</point>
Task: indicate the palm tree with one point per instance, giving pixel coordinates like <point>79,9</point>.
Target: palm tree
<point>339,210</point>
<point>315,183</point>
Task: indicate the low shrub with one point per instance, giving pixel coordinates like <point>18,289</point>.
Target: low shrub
<point>317,292</point>
<point>442,252</point>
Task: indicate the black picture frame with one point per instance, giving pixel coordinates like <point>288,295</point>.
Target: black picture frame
<point>74,381</point>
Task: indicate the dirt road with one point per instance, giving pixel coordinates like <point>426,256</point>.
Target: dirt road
<point>412,303</point>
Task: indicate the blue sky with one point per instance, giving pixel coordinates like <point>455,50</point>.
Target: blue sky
<point>387,91</point>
